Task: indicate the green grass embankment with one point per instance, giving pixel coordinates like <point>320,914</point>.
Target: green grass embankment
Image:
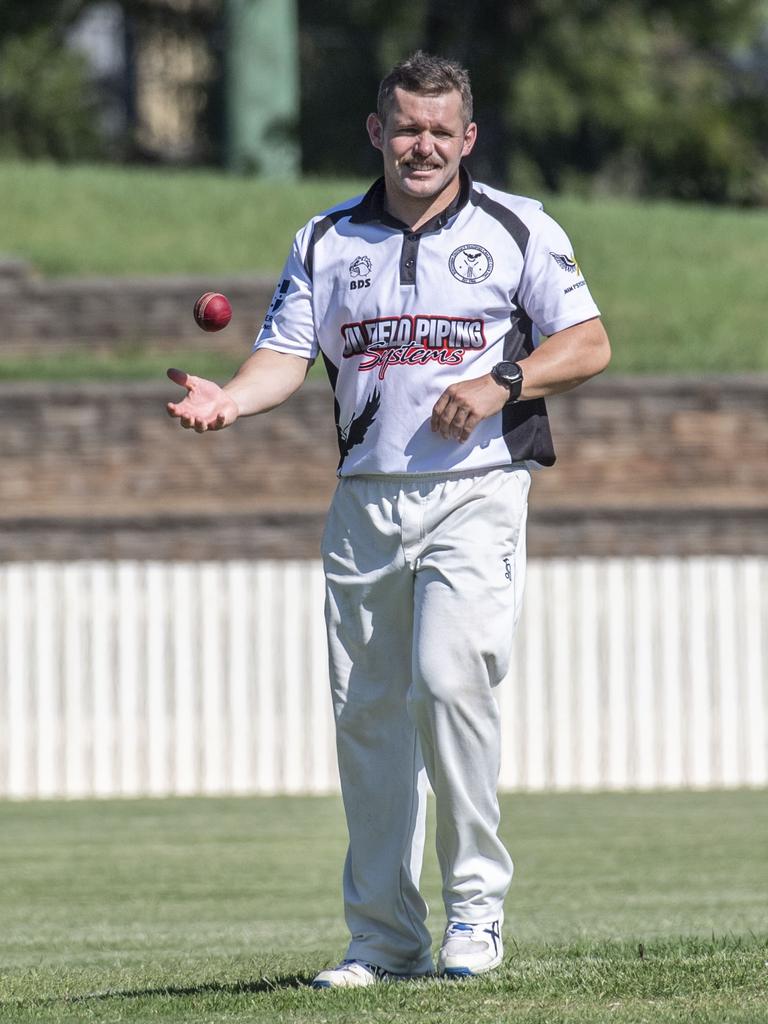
<point>682,288</point>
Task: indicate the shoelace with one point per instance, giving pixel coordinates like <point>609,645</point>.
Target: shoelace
<point>377,972</point>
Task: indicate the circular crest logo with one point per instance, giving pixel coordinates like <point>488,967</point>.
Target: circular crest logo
<point>471,264</point>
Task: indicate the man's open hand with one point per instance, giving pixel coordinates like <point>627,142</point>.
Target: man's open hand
<point>206,406</point>
<point>463,405</point>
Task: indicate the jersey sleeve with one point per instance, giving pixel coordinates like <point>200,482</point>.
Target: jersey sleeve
<point>552,290</point>
<point>289,325</point>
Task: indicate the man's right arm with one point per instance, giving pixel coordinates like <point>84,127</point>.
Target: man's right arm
<point>264,381</point>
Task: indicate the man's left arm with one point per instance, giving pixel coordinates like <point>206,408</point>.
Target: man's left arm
<point>565,360</point>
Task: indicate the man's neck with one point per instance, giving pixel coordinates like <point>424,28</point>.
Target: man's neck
<point>417,212</point>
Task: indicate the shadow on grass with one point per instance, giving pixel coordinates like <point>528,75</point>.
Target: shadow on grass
<point>280,981</point>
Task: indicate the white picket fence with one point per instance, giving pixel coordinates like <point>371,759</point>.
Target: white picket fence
<point>129,678</point>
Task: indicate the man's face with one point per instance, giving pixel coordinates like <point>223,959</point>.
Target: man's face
<point>422,140</point>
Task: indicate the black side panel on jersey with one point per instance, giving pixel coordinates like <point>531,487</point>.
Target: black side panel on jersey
<point>333,375</point>
<point>322,227</point>
<point>525,425</point>
<point>331,369</point>
<point>508,220</point>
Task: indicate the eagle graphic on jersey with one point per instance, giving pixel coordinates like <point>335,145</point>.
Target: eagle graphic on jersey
<point>567,263</point>
<point>355,431</point>
<point>471,258</point>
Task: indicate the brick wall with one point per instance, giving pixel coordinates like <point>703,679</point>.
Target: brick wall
<point>55,313</point>
<point>645,466</point>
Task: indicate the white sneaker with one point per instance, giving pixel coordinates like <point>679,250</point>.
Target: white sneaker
<point>350,974</point>
<point>470,949</point>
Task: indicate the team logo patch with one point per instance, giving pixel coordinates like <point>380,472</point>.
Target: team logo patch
<point>360,270</point>
<point>471,264</point>
<point>566,263</point>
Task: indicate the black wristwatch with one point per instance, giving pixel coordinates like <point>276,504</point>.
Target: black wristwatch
<point>511,376</point>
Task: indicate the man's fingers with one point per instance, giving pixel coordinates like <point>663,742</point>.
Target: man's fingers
<point>454,421</point>
<point>457,424</point>
<point>469,425</point>
<point>437,411</point>
<point>178,377</point>
<point>191,420</point>
<point>202,424</point>
<point>462,406</point>
<point>178,409</point>
<point>448,417</point>
<point>445,421</point>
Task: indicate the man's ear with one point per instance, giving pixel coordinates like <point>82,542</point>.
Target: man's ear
<point>470,137</point>
<point>375,131</point>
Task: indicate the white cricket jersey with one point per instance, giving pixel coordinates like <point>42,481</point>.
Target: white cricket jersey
<point>398,316</point>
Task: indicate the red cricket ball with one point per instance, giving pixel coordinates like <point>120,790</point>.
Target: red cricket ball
<point>213,311</point>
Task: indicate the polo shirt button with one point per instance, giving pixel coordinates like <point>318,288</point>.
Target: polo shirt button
<point>409,263</point>
<point>414,237</point>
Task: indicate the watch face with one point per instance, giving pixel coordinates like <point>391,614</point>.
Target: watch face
<point>510,373</point>
<point>511,376</point>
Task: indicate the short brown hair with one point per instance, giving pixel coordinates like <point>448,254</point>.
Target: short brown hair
<point>426,75</point>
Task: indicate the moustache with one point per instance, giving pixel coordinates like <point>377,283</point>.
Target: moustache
<point>411,163</point>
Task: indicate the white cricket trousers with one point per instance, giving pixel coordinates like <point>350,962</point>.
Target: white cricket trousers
<point>424,587</point>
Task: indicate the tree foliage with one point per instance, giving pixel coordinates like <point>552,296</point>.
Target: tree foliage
<point>642,97</point>
<point>46,106</point>
<point>50,104</point>
<point>647,97</point>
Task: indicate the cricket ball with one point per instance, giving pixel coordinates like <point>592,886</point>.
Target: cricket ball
<point>213,311</point>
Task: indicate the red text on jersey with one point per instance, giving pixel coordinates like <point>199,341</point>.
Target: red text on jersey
<point>429,332</point>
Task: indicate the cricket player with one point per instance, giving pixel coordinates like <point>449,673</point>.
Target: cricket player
<point>445,312</point>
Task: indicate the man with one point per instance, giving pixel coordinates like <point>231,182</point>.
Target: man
<point>426,298</point>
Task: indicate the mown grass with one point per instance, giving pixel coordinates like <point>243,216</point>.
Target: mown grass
<point>122,363</point>
<point>123,221</point>
<point>625,908</point>
<point>681,287</point>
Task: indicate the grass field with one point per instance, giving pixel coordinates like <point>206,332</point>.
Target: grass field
<point>625,908</point>
<point>682,288</point>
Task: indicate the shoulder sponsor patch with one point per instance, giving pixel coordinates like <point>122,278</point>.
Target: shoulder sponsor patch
<point>566,263</point>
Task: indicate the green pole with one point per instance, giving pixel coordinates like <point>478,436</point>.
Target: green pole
<point>262,83</point>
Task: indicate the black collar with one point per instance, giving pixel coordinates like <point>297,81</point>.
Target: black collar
<point>372,207</point>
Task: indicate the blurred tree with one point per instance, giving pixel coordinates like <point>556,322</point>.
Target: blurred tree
<point>648,97</point>
<point>637,97</point>
<point>18,17</point>
<point>47,107</point>
<point>344,44</point>
<point>51,103</point>
<point>175,53</point>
